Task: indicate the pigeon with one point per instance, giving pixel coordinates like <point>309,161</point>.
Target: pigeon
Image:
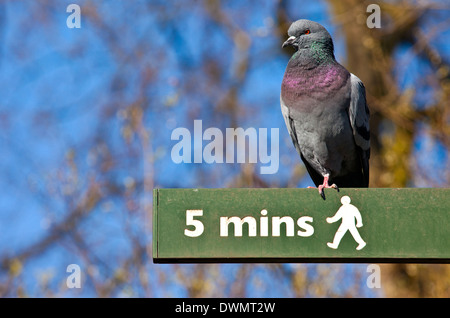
<point>325,110</point>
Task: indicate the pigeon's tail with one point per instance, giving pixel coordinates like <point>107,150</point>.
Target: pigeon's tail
<point>351,180</point>
<point>359,178</point>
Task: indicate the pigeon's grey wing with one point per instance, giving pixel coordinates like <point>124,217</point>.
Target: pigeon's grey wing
<point>290,124</point>
<point>359,120</point>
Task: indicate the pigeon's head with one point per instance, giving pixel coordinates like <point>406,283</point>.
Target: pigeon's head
<point>306,34</point>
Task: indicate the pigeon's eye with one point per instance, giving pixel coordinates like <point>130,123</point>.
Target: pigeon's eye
<point>307,32</point>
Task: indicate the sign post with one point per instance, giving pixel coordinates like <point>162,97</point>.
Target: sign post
<point>295,225</point>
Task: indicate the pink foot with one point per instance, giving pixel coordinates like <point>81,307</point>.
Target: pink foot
<point>325,186</point>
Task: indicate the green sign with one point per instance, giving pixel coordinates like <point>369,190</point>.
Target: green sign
<point>296,225</point>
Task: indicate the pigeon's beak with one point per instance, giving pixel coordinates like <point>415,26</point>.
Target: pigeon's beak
<point>289,41</point>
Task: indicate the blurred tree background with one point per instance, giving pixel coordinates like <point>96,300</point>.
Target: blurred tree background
<point>86,117</point>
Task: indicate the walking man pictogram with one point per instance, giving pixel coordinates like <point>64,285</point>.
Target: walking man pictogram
<point>348,213</point>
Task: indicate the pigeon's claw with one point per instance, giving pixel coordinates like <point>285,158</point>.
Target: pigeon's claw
<point>334,186</point>
<point>321,192</point>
